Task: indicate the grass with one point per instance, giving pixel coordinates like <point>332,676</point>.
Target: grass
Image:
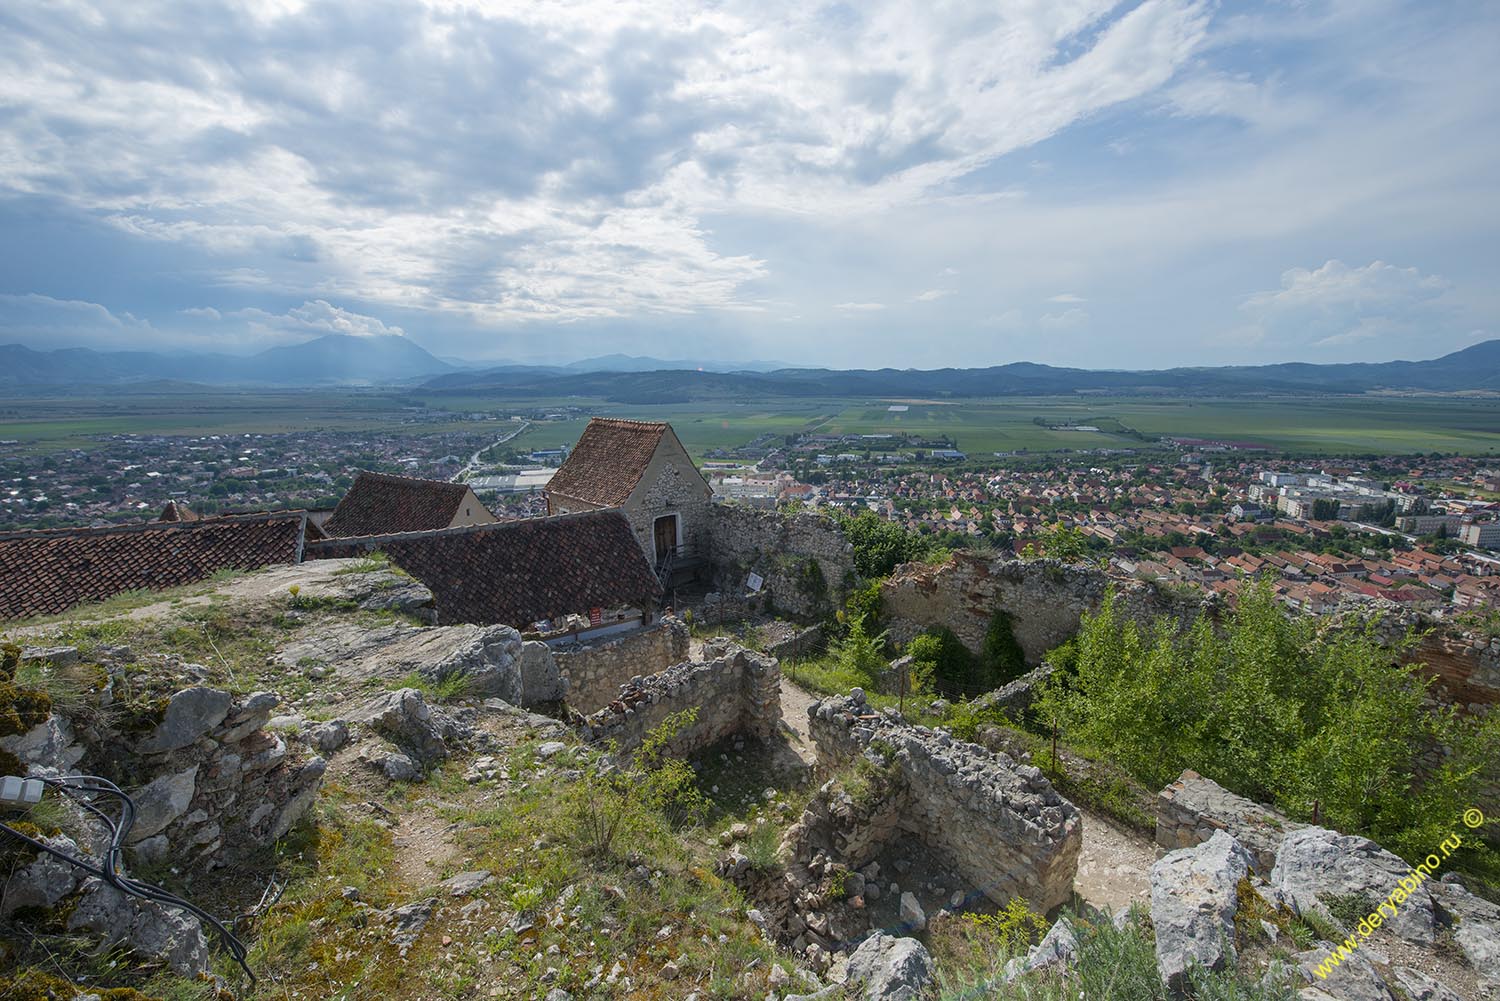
<point>1114,963</point>
<point>445,689</point>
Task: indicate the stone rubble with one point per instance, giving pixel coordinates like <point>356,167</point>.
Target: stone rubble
<point>1194,898</point>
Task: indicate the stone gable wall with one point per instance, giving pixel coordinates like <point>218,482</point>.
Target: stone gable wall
<point>735,691</point>
<point>670,484</point>
<point>1005,828</point>
<point>779,547</point>
<point>595,671</point>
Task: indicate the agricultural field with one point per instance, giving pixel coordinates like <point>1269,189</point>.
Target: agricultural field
<point>1331,425</point>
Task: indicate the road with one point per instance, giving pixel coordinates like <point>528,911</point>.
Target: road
<point>463,474</point>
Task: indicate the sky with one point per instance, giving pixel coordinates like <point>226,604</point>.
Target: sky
<point>862,184</point>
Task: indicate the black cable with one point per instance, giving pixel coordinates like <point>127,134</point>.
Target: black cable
<point>110,871</point>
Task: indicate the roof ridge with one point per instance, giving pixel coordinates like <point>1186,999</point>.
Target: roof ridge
<point>629,422</point>
<point>333,541</point>
<point>147,526</point>
<point>399,478</point>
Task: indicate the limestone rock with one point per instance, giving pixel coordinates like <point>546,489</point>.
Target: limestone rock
<point>912,915</point>
<point>466,883</point>
<point>1194,896</point>
<point>1354,979</point>
<point>1476,928</point>
<point>488,660</point>
<point>888,968</point>
<point>149,928</point>
<point>405,717</point>
<point>1316,863</point>
<point>49,745</point>
<point>58,656</point>
<point>190,714</point>
<point>1057,947</point>
<point>541,679</point>
<point>163,800</point>
<point>1420,987</point>
<point>330,736</point>
<point>309,777</point>
<point>42,882</point>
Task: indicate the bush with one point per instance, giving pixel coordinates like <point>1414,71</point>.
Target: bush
<point>1275,711</point>
<point>613,805</point>
<point>879,545</point>
<point>1002,656</point>
<point>859,654</point>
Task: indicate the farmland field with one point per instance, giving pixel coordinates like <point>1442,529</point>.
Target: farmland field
<point>1307,425</point>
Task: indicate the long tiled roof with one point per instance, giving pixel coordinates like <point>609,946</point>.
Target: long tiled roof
<point>45,572</point>
<point>519,572</point>
<point>382,504</point>
<point>608,461</point>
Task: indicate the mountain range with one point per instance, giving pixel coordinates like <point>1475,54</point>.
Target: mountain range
<point>338,359</point>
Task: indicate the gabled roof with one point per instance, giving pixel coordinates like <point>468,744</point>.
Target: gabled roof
<point>177,512</point>
<point>50,571</point>
<point>519,572</point>
<point>382,504</point>
<point>608,461</point>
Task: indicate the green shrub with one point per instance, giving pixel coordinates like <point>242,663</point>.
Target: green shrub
<point>1003,659</point>
<point>879,545</point>
<point>1275,710</point>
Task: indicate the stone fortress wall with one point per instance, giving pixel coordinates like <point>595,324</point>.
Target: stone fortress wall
<point>1003,826</point>
<point>781,548</point>
<point>1044,598</point>
<point>736,691</point>
<point>595,671</point>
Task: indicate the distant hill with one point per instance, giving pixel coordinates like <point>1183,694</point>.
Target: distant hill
<point>1473,368</point>
<point>335,359</point>
<point>339,359</point>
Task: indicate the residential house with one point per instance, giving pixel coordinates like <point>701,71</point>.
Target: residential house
<point>382,504</point>
<point>641,468</point>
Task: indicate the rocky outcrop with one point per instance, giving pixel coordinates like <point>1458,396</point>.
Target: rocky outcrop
<point>1192,809</point>
<point>1475,923</point>
<point>492,659</point>
<point>1315,864</point>
<point>148,928</point>
<point>887,968</point>
<point>1057,948</point>
<point>405,718</point>
<point>735,691</point>
<point>1194,897</point>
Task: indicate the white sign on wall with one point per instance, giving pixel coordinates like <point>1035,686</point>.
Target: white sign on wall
<point>755,581</point>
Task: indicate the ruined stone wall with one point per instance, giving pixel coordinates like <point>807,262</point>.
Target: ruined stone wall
<point>1005,828</point>
<point>735,691</point>
<point>1190,810</point>
<point>780,548</point>
<point>210,783</point>
<point>1044,598</point>
<point>595,671</point>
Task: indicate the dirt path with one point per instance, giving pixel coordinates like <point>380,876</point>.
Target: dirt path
<point>794,703</point>
<point>1114,867</point>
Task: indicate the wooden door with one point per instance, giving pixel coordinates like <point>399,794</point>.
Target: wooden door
<point>666,536</point>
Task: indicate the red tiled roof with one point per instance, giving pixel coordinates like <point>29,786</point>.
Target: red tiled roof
<point>608,461</point>
<point>382,504</point>
<point>45,572</point>
<point>519,572</point>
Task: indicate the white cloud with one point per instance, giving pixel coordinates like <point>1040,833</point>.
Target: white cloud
<point>315,318</point>
<point>548,161</point>
<point>1336,305</point>
<point>1066,297</point>
<point>932,294</point>
<point>48,322</point>
<point>860,307</point>
<point>1068,319</point>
